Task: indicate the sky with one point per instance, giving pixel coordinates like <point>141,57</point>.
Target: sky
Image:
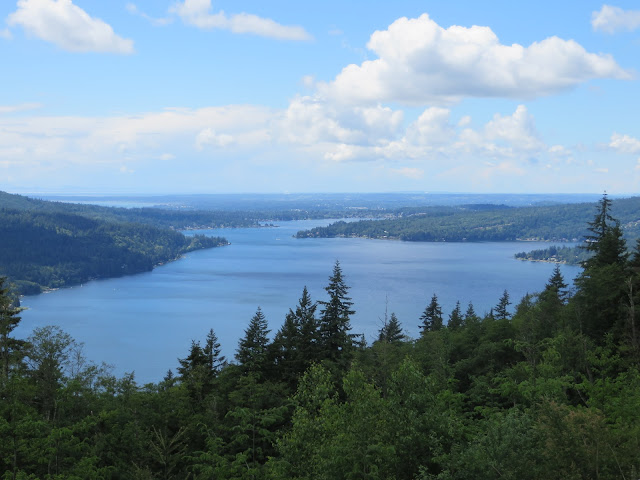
<point>202,96</point>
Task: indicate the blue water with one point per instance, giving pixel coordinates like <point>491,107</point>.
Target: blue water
<point>144,322</point>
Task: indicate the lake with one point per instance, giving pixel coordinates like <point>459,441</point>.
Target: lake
<point>144,322</point>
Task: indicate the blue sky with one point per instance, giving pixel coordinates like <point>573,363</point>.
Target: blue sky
<point>200,96</point>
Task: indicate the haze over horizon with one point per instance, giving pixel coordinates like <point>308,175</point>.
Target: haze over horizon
<point>195,96</point>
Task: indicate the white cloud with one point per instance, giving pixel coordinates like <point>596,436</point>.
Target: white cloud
<point>198,13</point>
<point>431,128</point>
<point>614,19</point>
<point>6,34</point>
<point>67,26</point>
<point>22,107</point>
<point>95,140</point>
<point>208,136</point>
<point>157,22</point>
<point>517,130</point>
<point>310,120</point>
<point>624,144</point>
<point>420,62</point>
<point>464,121</point>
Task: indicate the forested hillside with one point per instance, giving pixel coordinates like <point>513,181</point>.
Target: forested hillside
<point>549,389</point>
<point>45,245</point>
<point>485,223</point>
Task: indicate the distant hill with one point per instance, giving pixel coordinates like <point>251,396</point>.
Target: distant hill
<point>560,223</point>
<point>50,245</point>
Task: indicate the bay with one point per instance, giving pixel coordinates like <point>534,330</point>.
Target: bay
<point>143,323</point>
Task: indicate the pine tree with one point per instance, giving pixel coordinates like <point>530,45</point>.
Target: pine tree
<point>602,283</point>
<point>212,351</point>
<point>195,359</point>
<point>308,329</point>
<point>470,315</point>
<point>335,317</point>
<point>501,312</point>
<point>556,287</point>
<point>296,345</point>
<point>432,316</point>
<point>10,348</point>
<point>456,319</point>
<point>252,348</point>
<point>391,331</point>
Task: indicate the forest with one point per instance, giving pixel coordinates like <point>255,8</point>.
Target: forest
<point>548,387</point>
<point>47,245</point>
<point>473,223</point>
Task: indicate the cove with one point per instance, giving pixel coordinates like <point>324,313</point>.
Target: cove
<point>143,323</point>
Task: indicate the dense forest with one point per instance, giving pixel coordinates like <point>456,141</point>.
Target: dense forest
<point>563,254</point>
<point>485,223</point>
<point>48,245</point>
<point>548,389</point>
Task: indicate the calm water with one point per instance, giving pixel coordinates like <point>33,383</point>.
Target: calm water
<point>144,322</point>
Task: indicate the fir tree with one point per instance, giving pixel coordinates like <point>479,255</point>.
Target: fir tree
<point>501,311</point>
<point>470,315</point>
<point>456,320</point>
<point>556,287</point>
<point>196,359</point>
<point>432,316</point>
<point>212,351</point>
<point>391,331</point>
<point>602,284</point>
<point>10,348</point>
<point>296,345</point>
<point>252,348</point>
<point>335,317</point>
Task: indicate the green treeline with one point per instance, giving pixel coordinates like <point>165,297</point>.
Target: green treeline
<point>550,389</point>
<point>178,219</point>
<point>47,247</point>
<point>555,254</point>
<point>485,223</point>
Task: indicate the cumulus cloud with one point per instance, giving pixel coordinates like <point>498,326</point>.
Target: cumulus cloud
<point>67,26</point>
<point>614,19</point>
<point>517,130</point>
<point>420,62</point>
<point>198,13</point>
<point>208,136</point>
<point>309,120</point>
<point>624,144</point>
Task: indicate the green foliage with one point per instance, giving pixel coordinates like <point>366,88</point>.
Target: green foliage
<point>494,223</point>
<point>50,247</point>
<point>335,324</point>
<point>550,391</point>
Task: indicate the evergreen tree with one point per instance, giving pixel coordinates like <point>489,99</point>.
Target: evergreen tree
<point>501,312</point>
<point>308,330</point>
<point>602,284</point>
<point>456,320</point>
<point>335,317</point>
<point>432,316</point>
<point>556,287</point>
<point>391,331</point>
<point>252,348</point>
<point>11,349</point>
<point>212,351</point>
<point>470,315</point>
<point>196,359</point>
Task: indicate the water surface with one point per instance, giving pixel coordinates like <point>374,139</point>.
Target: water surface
<point>144,322</point>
